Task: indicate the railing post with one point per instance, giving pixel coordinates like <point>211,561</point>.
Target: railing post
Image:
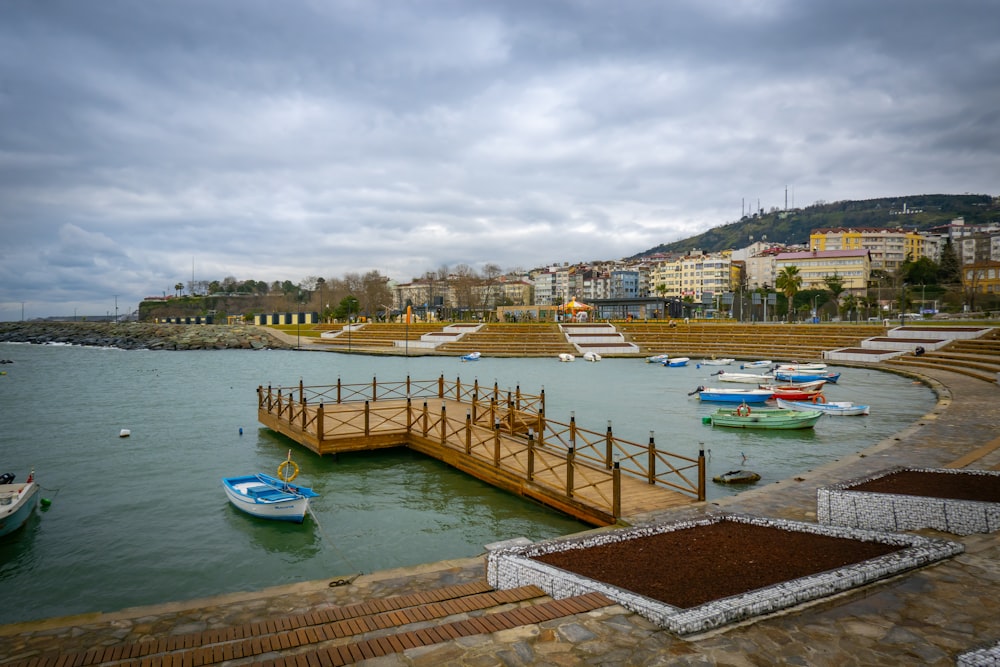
<point>701,474</point>
<point>496,443</point>
<point>458,388</point>
<point>572,429</point>
<point>475,405</point>
<point>570,462</point>
<point>541,428</point>
<point>616,493</point>
<point>468,432</point>
<point>493,410</point>
<point>409,415</point>
<point>270,398</point>
<point>608,446</point>
<point>510,414</point>
<point>441,386</point>
<point>302,407</point>
<point>651,464</point>
<point>475,387</point>
<point>367,416</point>
<point>542,400</point>
<point>517,396</point>
<point>338,390</point>
<point>496,391</point>
<point>407,386</point>
<point>426,420</point>
<point>374,389</point>
<point>281,406</point>
<point>320,432</point>
<point>531,455</point>
<point>302,395</point>
<point>444,424</point>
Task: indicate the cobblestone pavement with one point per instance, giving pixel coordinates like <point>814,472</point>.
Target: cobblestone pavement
<point>927,617</point>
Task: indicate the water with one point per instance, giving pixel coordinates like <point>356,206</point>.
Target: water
<point>143,520</point>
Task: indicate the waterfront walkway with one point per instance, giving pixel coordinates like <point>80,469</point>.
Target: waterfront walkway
<point>929,617</point>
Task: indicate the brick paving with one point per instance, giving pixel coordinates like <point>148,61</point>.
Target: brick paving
<point>931,616</point>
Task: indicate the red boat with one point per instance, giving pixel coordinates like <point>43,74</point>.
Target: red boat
<point>797,392</point>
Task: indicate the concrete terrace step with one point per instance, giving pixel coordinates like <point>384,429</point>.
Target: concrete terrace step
<point>342,635</point>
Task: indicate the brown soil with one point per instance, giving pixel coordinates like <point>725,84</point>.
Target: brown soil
<point>691,566</point>
<point>956,486</point>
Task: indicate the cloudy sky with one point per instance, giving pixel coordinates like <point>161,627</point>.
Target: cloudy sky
<point>143,142</point>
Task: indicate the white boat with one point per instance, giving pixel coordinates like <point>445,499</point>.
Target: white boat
<point>471,356</point>
<point>17,502</point>
<point>817,367</point>
<point>657,358</point>
<point>591,356</point>
<point>760,363</point>
<point>721,395</point>
<point>716,362</point>
<point>748,378</point>
<point>833,408</point>
<point>677,361</point>
<point>566,356</point>
<point>270,497</point>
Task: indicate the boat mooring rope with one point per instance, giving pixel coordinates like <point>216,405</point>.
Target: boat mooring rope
<point>326,540</point>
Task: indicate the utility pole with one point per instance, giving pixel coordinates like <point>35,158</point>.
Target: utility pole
<point>116,309</point>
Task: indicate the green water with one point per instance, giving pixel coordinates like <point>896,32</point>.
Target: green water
<point>143,520</point>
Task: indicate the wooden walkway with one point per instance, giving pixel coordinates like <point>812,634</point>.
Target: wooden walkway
<point>502,439</point>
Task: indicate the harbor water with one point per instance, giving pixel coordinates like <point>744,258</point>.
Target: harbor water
<point>144,519</point>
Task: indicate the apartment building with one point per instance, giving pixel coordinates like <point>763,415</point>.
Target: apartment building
<point>853,267</point>
<point>888,248</point>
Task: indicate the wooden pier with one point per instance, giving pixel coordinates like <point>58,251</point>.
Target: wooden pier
<point>502,438</point>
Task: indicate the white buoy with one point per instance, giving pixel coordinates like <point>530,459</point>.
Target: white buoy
<point>124,433</point>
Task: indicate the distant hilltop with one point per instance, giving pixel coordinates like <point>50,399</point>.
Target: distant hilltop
<point>793,226</point>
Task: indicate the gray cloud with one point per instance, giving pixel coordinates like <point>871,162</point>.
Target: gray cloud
<point>279,141</point>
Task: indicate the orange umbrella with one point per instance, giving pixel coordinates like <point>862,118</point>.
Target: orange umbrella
<point>575,306</point>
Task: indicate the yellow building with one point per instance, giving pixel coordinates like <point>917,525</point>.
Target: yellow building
<point>888,248</point>
<point>982,277</point>
<point>853,267</point>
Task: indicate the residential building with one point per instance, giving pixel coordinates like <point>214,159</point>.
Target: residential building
<point>853,267</point>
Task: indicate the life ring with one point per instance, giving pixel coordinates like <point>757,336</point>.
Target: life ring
<point>819,398</point>
<point>743,411</point>
<point>281,470</point>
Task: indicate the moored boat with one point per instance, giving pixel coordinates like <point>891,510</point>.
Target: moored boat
<point>746,417</point>
<point>17,501</point>
<point>737,477</point>
<point>795,376</point>
<point>794,392</point>
<point>471,356</point>
<point>760,363</point>
<point>677,361</point>
<point>270,497</point>
<point>591,356</point>
<point>720,395</point>
<point>566,356</point>
<point>747,378</point>
<point>833,408</point>
<point>657,358</point>
<point>817,367</point>
<point>722,361</point>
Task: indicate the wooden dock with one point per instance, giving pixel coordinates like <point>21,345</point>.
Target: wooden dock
<point>502,438</point>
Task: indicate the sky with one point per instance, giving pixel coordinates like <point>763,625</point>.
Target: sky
<point>144,144</point>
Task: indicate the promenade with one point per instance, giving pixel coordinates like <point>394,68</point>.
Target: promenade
<point>929,617</point>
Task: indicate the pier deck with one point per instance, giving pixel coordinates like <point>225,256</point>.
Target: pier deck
<point>504,440</point>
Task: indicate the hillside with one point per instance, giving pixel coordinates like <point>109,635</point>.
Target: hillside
<point>794,226</point>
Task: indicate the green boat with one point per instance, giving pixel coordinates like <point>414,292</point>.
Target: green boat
<point>765,418</point>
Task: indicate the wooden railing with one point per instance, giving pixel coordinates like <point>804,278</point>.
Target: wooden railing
<point>533,443</point>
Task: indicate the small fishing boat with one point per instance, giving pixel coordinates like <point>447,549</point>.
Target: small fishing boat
<point>716,362</point>
<point>795,376</point>
<point>794,392</point>
<point>737,477</point>
<point>747,378</point>
<point>657,358</point>
<point>760,363</point>
<point>471,356</point>
<point>833,408</point>
<point>719,395</point>
<point>816,367</point>
<point>677,361</point>
<point>591,356</point>
<point>17,501</point>
<point>270,497</point>
<point>776,420</point>
<point>565,356</point>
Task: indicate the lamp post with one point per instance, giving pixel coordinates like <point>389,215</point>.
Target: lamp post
<point>902,307</point>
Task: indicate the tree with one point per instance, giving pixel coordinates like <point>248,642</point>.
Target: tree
<point>178,288</point>
<point>789,281</point>
<point>949,269</point>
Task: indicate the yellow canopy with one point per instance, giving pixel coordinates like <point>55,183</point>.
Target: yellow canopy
<point>574,306</point>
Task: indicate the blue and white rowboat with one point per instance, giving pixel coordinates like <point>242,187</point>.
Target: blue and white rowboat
<point>268,497</point>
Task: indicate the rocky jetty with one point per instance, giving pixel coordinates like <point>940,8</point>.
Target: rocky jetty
<point>143,336</point>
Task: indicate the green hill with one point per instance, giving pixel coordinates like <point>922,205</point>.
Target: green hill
<point>794,226</point>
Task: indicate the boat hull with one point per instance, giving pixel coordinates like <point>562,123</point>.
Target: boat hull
<point>17,502</point>
<point>790,376</point>
<point>263,496</point>
<point>745,378</point>
<point>839,409</point>
<point>679,361</point>
<point>774,421</point>
<point>736,396</point>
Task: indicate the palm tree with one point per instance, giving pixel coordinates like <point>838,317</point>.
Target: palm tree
<point>789,281</point>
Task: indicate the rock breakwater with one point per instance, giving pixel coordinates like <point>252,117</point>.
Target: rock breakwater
<point>142,336</point>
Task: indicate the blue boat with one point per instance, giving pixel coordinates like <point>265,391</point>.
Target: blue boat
<point>792,376</point>
<point>713,395</point>
<point>471,356</point>
<point>678,361</point>
<point>17,502</point>
<point>270,497</point>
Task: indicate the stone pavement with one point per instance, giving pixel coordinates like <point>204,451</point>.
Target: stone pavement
<point>928,617</point>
